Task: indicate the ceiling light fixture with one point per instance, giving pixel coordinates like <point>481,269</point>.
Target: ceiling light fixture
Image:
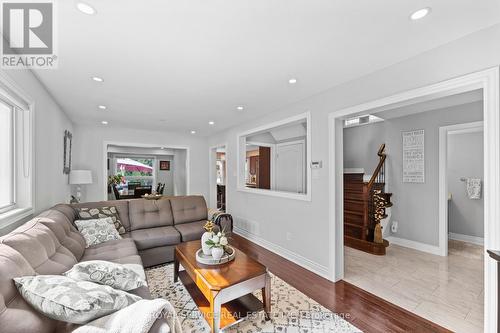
<point>292,81</point>
<point>102,107</point>
<point>420,14</point>
<point>211,123</point>
<point>104,122</point>
<point>97,79</point>
<point>193,132</point>
<point>85,8</point>
<point>240,108</point>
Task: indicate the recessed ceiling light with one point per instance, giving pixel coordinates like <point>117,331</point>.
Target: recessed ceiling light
<point>85,8</point>
<point>211,122</point>
<point>102,107</point>
<point>292,81</point>
<point>420,14</point>
<point>193,132</point>
<point>97,79</point>
<point>240,108</point>
<point>104,122</point>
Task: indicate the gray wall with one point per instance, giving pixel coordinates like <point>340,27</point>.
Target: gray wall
<point>309,221</point>
<point>465,159</point>
<point>49,123</point>
<point>415,205</point>
<point>89,152</point>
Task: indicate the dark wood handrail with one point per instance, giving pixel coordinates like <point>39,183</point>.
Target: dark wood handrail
<point>381,154</point>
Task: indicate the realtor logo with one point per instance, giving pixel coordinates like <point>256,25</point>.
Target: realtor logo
<point>28,31</point>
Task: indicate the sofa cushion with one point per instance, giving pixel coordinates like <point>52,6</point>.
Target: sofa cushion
<point>191,231</point>
<point>97,231</point>
<point>111,250</point>
<point>150,213</point>
<point>155,237</point>
<point>121,207</point>
<point>85,213</point>
<point>65,299</point>
<point>40,247</point>
<point>64,230</point>
<point>112,274</point>
<point>189,208</point>
<point>16,315</point>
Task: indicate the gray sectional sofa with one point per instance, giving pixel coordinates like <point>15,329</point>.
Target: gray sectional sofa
<point>50,244</point>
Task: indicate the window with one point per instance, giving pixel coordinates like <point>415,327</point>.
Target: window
<point>16,200</point>
<point>7,199</point>
<point>362,120</point>
<point>275,159</point>
<point>137,171</point>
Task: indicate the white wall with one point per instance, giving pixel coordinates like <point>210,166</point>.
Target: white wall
<point>415,205</point>
<point>465,159</point>
<point>309,221</point>
<point>89,145</point>
<point>50,122</point>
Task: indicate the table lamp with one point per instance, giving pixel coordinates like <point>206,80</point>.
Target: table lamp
<point>80,177</point>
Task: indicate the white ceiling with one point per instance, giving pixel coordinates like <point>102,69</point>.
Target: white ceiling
<point>176,64</point>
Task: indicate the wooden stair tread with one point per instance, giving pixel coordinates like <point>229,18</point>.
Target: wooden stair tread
<point>353,212</point>
<point>354,225</point>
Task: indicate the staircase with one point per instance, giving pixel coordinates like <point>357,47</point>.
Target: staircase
<point>364,206</point>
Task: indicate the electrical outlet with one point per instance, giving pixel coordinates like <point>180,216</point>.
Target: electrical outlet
<point>288,236</point>
<point>394,226</point>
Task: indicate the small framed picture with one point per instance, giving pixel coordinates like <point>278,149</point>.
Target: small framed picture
<point>165,165</point>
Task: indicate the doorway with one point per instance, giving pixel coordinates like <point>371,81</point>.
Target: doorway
<point>134,170</point>
<point>461,186</point>
<point>488,82</point>
<point>218,177</point>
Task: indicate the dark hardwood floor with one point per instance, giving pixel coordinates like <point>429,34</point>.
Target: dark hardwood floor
<point>364,310</point>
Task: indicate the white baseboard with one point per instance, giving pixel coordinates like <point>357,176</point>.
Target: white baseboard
<point>415,245</point>
<point>467,238</point>
<point>287,254</point>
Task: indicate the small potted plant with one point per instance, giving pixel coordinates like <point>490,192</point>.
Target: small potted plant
<point>217,244</point>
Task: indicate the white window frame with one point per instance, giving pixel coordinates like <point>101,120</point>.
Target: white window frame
<point>241,159</point>
<point>12,205</point>
<point>22,153</point>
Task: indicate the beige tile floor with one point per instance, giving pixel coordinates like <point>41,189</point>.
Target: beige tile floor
<point>445,290</point>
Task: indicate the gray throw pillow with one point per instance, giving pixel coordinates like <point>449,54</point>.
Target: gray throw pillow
<point>97,231</point>
<point>61,298</point>
<point>100,213</point>
<point>115,275</point>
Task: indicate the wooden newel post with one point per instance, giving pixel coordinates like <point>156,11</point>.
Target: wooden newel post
<point>496,256</point>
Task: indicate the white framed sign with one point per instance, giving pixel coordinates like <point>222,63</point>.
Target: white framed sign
<point>413,157</point>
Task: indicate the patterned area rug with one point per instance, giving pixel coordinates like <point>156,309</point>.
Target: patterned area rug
<point>292,311</point>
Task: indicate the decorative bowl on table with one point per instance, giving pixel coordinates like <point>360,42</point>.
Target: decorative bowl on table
<point>152,196</point>
<point>229,254</point>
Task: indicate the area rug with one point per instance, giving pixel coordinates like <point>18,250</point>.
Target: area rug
<point>292,311</point>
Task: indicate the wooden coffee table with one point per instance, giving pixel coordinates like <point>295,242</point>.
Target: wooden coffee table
<point>223,293</point>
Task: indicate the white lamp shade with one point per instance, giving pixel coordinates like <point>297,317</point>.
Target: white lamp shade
<point>80,177</point>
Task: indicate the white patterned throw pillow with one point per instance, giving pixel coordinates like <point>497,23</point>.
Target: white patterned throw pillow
<point>115,275</point>
<point>61,298</point>
<point>97,231</point>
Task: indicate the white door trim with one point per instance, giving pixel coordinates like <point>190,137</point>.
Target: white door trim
<point>443,179</point>
<point>488,81</point>
<point>212,181</point>
<point>105,145</point>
